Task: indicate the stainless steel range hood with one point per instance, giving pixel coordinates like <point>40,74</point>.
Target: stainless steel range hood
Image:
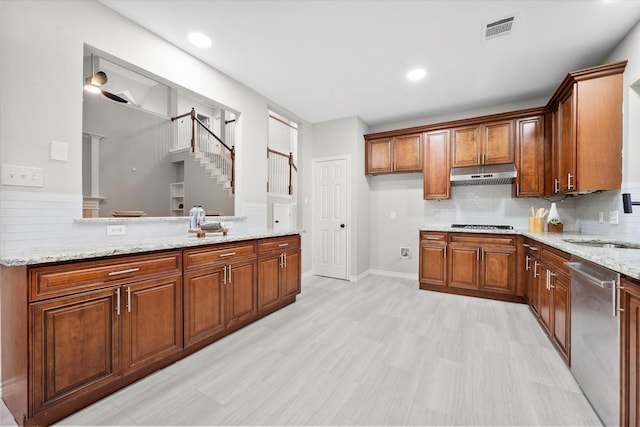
<point>484,175</point>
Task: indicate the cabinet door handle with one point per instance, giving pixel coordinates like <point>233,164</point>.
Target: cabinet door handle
<point>535,269</point>
<point>229,274</point>
<point>131,270</point>
<point>478,254</point>
<point>479,158</point>
<point>569,183</point>
<point>224,278</point>
<point>445,251</point>
<point>284,258</point>
<point>483,158</point>
<point>556,185</point>
<point>526,263</point>
<point>129,299</point>
<point>118,301</point>
<point>227,254</point>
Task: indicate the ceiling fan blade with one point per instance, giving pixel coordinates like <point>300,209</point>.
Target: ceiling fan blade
<point>114,97</point>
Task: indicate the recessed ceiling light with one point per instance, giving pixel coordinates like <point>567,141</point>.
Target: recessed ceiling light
<point>199,40</point>
<point>416,74</point>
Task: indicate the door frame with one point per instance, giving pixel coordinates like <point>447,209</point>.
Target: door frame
<point>347,252</point>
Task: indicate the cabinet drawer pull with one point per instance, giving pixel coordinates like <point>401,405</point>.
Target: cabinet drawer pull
<point>283,244</point>
<point>432,238</point>
<point>533,248</point>
<point>118,301</point>
<point>227,254</point>
<point>526,245</point>
<point>131,270</point>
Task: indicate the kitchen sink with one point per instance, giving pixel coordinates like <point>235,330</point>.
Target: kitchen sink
<point>603,244</point>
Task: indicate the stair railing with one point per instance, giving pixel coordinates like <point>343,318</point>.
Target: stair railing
<point>219,154</point>
<point>278,180</point>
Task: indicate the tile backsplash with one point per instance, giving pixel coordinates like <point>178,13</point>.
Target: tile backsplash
<point>493,204</point>
<point>589,207</point>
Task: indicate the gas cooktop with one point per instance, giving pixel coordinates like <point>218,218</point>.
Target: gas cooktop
<point>483,226</point>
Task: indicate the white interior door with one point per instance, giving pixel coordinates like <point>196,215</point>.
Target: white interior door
<point>330,227</point>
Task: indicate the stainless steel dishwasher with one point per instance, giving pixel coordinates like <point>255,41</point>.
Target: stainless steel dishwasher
<point>595,331</point>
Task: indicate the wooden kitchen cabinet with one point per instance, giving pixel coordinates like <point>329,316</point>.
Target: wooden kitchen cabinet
<point>484,144</point>
<point>436,171</point>
<point>433,259</point>
<point>531,273</point>
<point>278,272</point>
<point>587,130</point>
<point>82,342</point>
<point>220,284</point>
<point>395,154</point>
<point>629,352</point>
<point>486,263</point>
<point>530,155</point>
<point>554,287</point>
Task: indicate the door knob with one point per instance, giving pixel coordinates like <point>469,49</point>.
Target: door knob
<point>342,225</point>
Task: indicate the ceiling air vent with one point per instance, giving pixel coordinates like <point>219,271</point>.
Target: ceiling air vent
<point>498,28</point>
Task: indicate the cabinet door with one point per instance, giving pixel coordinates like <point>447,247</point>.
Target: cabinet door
<point>497,143</point>
<point>534,286</point>
<point>204,304</point>
<point>269,290</point>
<point>436,173</point>
<point>379,157</point>
<point>151,321</point>
<point>408,153</point>
<point>75,346</point>
<point>465,146</point>
<point>241,292</point>
<point>545,307</point>
<point>433,263</point>
<point>530,157</point>
<point>463,266</point>
<point>290,278</point>
<point>561,291</point>
<point>630,353</point>
<point>565,148</point>
<point>498,269</point>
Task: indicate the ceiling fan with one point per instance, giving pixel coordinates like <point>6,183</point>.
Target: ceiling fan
<point>93,83</point>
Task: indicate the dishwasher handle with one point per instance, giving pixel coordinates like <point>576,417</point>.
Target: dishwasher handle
<point>578,267</point>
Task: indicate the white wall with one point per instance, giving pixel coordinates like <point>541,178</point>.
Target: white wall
<point>344,137</point>
<point>41,85</point>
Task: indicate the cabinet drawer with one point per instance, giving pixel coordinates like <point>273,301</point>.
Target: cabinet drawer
<point>556,259</point>
<point>469,239</point>
<point>279,244</point>
<point>211,255</point>
<point>65,279</point>
<point>429,237</point>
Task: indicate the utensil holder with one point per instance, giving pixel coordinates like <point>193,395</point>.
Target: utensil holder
<point>554,228</point>
<point>536,224</point>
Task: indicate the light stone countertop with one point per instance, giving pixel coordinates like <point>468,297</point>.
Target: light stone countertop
<point>623,261</point>
<point>33,256</point>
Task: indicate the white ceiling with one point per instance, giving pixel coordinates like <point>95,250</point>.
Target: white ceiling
<point>329,59</point>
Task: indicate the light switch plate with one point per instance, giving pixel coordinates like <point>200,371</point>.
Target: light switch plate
<point>614,217</point>
<point>59,151</point>
<point>22,176</point>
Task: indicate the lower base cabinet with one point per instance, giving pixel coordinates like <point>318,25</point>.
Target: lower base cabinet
<point>74,332</point>
<point>630,352</point>
<point>482,265</point>
<point>279,272</point>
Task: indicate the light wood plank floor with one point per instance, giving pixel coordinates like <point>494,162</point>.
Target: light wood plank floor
<point>376,352</point>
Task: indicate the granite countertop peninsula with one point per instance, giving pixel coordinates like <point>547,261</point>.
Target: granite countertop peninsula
<point>36,255</point>
<point>623,261</point>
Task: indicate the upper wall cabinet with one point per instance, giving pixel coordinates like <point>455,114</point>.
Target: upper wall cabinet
<point>393,154</point>
<point>484,144</point>
<point>436,165</point>
<point>587,130</point>
<point>530,153</point>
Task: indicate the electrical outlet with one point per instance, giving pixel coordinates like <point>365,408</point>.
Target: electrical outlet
<point>393,215</point>
<point>614,217</point>
<point>405,252</point>
<point>22,176</point>
<point>601,217</point>
<point>116,230</point>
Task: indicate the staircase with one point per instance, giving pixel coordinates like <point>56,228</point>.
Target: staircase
<point>206,148</point>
